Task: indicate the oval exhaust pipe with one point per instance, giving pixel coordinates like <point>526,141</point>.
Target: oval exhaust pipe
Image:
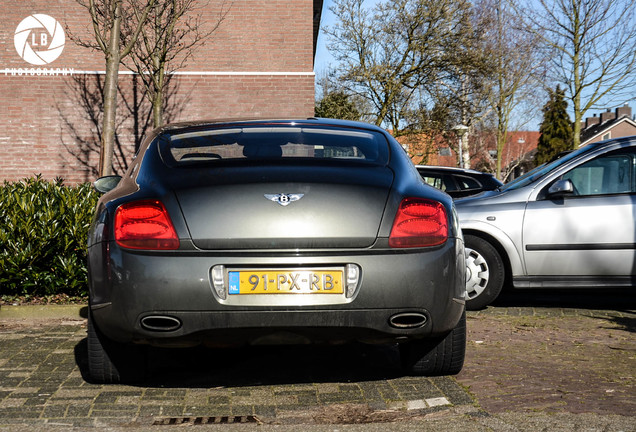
<point>160,323</point>
<point>407,320</point>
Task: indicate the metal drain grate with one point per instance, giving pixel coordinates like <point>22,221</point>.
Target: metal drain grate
<point>205,420</point>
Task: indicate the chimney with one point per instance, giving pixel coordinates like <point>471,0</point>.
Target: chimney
<point>591,121</point>
<point>607,115</point>
<point>624,111</point>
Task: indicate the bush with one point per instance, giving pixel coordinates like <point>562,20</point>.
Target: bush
<point>43,237</point>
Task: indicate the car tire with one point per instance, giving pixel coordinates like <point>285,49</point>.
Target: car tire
<point>485,273</point>
<point>441,356</point>
<point>110,362</point>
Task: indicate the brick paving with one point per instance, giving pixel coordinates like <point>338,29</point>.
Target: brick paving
<point>552,360</point>
<point>41,383</point>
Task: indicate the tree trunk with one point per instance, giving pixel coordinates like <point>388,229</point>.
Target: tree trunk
<point>110,96</point>
<point>157,110</point>
<point>157,96</point>
<point>577,81</point>
<point>465,152</point>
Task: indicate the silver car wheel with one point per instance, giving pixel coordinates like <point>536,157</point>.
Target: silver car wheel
<point>477,274</point>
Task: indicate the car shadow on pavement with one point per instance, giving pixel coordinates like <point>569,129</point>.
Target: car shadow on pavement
<point>623,299</point>
<point>616,306</point>
<point>627,323</point>
<point>202,367</point>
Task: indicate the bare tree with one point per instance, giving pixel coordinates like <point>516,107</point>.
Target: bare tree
<point>428,130</point>
<point>593,43</point>
<point>516,64</point>
<point>116,27</point>
<point>516,155</point>
<point>466,79</point>
<point>389,53</point>
<point>167,41</point>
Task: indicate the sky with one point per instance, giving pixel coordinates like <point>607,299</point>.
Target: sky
<point>324,59</point>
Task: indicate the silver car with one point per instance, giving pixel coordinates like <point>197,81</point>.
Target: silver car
<point>566,224</point>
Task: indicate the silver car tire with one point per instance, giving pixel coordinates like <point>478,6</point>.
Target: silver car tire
<point>485,273</point>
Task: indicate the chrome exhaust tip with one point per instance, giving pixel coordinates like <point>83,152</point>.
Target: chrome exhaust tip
<point>407,320</point>
<point>160,323</point>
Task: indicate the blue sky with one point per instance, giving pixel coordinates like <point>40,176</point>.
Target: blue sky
<point>324,59</point>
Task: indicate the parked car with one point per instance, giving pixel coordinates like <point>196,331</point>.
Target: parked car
<point>567,224</point>
<point>458,182</point>
<point>252,232</point>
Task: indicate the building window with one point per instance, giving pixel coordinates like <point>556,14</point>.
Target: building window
<point>607,136</point>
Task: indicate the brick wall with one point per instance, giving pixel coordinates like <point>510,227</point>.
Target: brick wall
<point>258,63</point>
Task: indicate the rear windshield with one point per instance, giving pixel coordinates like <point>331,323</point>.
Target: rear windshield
<point>273,143</point>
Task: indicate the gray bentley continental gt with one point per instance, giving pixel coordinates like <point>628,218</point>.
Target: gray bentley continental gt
<point>246,232</point>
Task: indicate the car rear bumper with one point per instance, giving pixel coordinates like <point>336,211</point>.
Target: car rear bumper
<point>167,299</point>
<point>260,327</point>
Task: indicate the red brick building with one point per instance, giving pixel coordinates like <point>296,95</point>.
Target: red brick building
<point>259,62</point>
<point>516,157</point>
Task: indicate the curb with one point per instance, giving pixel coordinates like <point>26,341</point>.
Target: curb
<point>43,312</point>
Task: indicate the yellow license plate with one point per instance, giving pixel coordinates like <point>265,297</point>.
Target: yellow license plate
<point>285,282</point>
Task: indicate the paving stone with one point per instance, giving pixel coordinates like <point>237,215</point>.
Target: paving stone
<point>172,410</point>
<point>219,400</point>
<point>41,382</point>
<point>388,392</point>
<point>106,398</point>
<point>243,410</point>
<point>54,411</point>
<point>370,392</point>
<point>264,410</point>
<point>149,411</point>
<point>329,398</point>
<point>79,410</point>
<point>20,412</point>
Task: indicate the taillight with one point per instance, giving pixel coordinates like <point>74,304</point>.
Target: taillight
<point>419,222</point>
<point>145,225</point>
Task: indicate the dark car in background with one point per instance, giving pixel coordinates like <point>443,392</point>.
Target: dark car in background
<point>458,182</point>
<point>273,231</point>
<point>570,223</point>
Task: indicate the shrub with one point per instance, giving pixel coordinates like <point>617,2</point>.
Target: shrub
<point>43,237</point>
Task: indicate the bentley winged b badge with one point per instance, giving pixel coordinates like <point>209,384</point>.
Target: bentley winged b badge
<point>284,199</point>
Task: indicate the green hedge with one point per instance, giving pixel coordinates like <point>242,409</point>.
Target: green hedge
<point>43,230</point>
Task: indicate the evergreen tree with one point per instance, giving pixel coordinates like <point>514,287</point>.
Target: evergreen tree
<point>337,105</point>
<point>556,128</point>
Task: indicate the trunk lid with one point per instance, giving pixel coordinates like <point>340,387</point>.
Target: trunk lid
<point>286,207</point>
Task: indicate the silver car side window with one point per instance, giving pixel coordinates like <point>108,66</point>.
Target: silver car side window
<point>609,174</point>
